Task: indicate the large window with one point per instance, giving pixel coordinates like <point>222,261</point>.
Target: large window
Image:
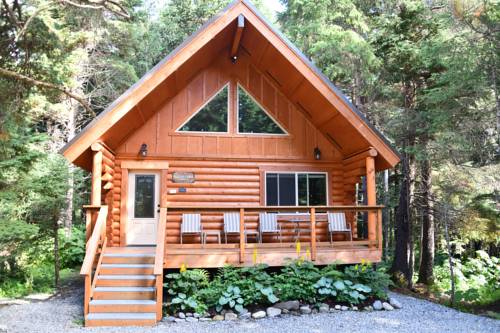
<point>252,118</point>
<point>212,117</point>
<point>296,189</point>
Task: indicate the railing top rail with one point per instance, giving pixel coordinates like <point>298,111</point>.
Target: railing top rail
<point>93,241</point>
<point>160,242</point>
<point>276,208</point>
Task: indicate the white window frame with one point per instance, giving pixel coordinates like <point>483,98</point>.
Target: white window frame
<point>296,173</point>
<point>227,85</point>
<point>238,85</point>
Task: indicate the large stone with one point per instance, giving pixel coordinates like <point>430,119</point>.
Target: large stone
<point>305,309</point>
<point>230,316</point>
<point>354,308</point>
<point>218,317</point>
<point>369,308</point>
<point>181,315</point>
<point>205,319</point>
<point>169,319</point>
<point>387,306</point>
<point>323,308</point>
<point>189,314</point>
<point>289,305</point>
<point>377,305</point>
<point>337,307</point>
<point>273,312</point>
<point>259,315</point>
<point>344,308</point>
<point>395,303</point>
<point>191,319</point>
<point>179,320</point>
<point>245,315</point>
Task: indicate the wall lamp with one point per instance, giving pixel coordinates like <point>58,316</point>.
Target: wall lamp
<point>143,151</point>
<point>317,153</point>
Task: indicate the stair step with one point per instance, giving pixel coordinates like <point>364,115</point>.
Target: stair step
<point>115,293</point>
<point>122,305</point>
<point>120,319</point>
<point>128,257</point>
<point>126,269</point>
<point>126,280</point>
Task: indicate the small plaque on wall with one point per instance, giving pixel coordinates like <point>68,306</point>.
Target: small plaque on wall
<point>183,177</point>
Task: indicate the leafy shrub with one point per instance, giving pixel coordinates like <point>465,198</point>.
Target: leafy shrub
<point>72,248</point>
<point>231,298</point>
<point>343,290</point>
<point>378,280</point>
<point>296,280</point>
<point>184,289</point>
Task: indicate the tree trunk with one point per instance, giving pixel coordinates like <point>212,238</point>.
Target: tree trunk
<point>385,215</point>
<point>402,264</point>
<point>450,255</point>
<point>425,273</point>
<point>57,264</point>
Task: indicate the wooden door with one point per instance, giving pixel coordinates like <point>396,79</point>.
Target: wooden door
<point>143,206</point>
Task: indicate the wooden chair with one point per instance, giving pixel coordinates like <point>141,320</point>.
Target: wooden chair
<point>231,224</point>
<point>191,225</point>
<point>268,224</point>
<point>337,223</point>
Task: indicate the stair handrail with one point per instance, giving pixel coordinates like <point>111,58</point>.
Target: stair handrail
<point>98,233</point>
<point>159,257</point>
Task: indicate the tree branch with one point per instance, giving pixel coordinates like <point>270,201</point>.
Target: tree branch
<point>16,76</point>
<point>28,21</point>
<point>100,4</point>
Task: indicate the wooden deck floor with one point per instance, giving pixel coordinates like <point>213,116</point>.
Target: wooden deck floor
<point>273,254</point>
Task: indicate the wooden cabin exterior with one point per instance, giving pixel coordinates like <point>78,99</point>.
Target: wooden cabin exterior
<point>144,160</point>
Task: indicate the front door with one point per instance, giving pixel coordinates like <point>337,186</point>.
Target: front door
<point>143,202</point>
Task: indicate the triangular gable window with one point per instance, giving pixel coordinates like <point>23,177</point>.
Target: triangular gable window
<point>212,117</point>
<point>252,118</point>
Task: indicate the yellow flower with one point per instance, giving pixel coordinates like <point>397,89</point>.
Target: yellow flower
<point>297,248</point>
<point>183,268</point>
<point>254,256</point>
<point>308,254</point>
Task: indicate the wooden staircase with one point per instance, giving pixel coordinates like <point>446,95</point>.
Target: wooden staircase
<point>123,285</point>
<point>125,290</point>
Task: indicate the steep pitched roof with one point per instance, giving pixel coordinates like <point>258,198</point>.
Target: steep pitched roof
<point>326,106</point>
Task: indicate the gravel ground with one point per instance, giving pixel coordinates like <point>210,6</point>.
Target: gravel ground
<point>63,313</point>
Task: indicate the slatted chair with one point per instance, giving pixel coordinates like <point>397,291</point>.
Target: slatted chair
<point>191,225</point>
<point>268,224</point>
<point>231,224</point>
<point>337,223</point>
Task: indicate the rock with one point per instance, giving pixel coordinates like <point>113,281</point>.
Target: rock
<point>377,305</point>
<point>196,315</point>
<point>259,315</point>
<point>295,313</point>
<point>230,316</point>
<point>38,297</point>
<point>245,315</point>
<point>289,305</point>
<point>218,317</point>
<point>189,314</point>
<point>395,303</point>
<point>205,319</point>
<point>354,308</point>
<point>179,320</point>
<point>368,308</point>
<point>344,308</point>
<point>191,319</point>
<point>323,308</point>
<point>181,315</point>
<point>387,306</point>
<point>285,311</point>
<point>273,312</point>
<point>305,309</point>
<point>3,329</point>
<point>169,319</point>
<point>337,307</point>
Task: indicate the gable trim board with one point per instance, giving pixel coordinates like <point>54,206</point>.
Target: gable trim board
<point>129,101</point>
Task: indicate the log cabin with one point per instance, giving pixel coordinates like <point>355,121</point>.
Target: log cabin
<point>235,120</point>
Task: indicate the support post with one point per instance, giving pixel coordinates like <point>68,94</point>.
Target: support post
<point>371,197</point>
<point>242,235</point>
<point>96,178</point>
<point>313,234</point>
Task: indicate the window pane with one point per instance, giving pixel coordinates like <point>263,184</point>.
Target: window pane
<point>317,189</point>
<point>286,188</point>
<point>212,117</point>
<point>144,196</point>
<point>271,189</point>
<point>251,117</point>
<point>302,189</point>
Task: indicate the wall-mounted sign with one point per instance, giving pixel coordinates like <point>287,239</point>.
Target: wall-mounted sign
<point>183,177</point>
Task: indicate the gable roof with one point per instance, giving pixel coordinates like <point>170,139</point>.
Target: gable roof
<point>326,106</point>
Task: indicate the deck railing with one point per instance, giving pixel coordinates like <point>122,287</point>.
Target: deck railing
<point>316,215</point>
<point>96,244</point>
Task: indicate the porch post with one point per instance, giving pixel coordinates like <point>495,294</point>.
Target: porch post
<point>242,235</point>
<point>371,197</point>
<point>96,178</point>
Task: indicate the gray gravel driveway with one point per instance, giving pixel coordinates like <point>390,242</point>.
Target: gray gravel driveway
<point>63,313</point>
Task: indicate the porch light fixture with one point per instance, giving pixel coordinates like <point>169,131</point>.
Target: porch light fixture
<point>317,153</point>
<point>143,152</point>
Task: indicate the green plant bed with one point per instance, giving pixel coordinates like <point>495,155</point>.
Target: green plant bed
<point>256,287</point>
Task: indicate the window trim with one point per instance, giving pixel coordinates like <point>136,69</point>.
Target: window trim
<point>237,97</point>
<point>296,173</point>
<point>226,85</point>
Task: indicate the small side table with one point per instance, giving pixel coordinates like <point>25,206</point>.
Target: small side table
<point>211,233</point>
<point>253,233</point>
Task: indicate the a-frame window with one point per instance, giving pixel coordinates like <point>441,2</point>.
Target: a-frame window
<point>211,117</point>
<point>252,118</point>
